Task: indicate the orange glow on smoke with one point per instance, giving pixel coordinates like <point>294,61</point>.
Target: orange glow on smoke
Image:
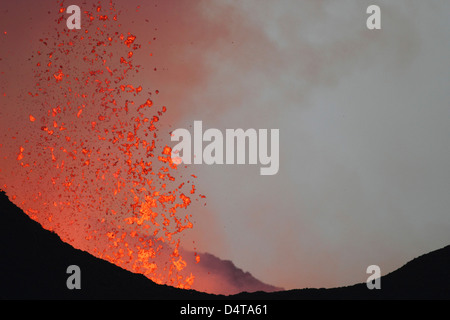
<point>119,194</point>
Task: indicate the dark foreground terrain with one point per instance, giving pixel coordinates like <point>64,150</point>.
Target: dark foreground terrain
<point>33,264</point>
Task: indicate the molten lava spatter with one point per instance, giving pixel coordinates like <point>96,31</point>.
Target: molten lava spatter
<point>107,184</point>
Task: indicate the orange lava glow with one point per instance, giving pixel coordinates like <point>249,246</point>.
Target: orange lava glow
<point>119,194</point>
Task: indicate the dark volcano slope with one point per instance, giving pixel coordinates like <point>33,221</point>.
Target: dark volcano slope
<point>33,264</point>
<point>424,278</point>
<point>34,261</point>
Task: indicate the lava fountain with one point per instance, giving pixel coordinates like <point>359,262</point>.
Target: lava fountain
<point>93,168</point>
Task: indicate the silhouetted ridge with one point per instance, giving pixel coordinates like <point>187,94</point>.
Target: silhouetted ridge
<point>425,277</point>
<point>33,264</point>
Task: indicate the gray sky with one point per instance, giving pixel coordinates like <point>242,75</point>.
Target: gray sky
<point>364,152</point>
